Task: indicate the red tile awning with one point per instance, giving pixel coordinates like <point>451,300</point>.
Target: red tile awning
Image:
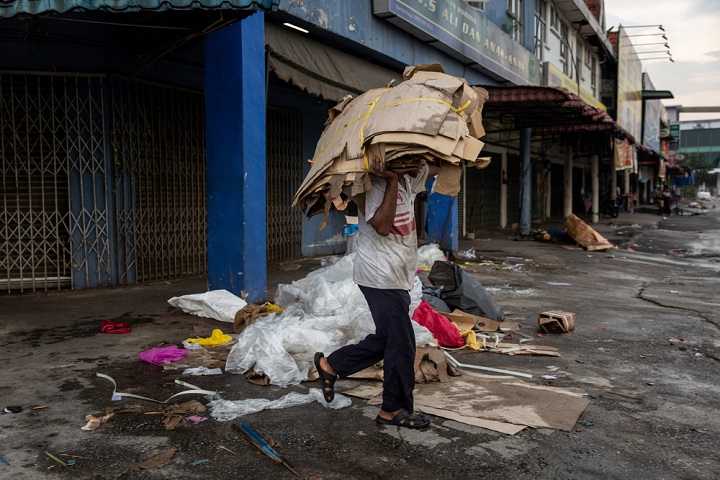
<point>548,110</point>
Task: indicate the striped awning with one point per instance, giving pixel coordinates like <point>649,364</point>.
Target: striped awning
<point>26,8</point>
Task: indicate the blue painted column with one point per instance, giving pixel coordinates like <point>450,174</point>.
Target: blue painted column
<point>442,221</point>
<point>235,158</point>
<point>526,199</point>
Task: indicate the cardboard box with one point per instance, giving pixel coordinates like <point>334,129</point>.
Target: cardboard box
<point>556,321</point>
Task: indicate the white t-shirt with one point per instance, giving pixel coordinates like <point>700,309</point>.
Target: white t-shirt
<point>389,262</point>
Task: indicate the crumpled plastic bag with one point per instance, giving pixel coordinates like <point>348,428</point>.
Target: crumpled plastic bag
<point>446,333</point>
<point>217,337</point>
<point>323,312</point>
<point>428,254</point>
<point>160,355</point>
<point>227,410</point>
<point>218,304</point>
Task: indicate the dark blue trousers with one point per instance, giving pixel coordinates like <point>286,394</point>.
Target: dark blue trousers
<point>393,342</point>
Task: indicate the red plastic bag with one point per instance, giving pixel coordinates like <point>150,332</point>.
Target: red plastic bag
<point>445,332</point>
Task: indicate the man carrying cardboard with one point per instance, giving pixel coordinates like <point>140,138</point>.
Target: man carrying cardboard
<point>384,269</point>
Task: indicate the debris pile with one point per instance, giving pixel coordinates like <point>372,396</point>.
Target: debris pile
<point>430,115</point>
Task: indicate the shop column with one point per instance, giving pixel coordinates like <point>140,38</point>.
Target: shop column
<point>235,158</point>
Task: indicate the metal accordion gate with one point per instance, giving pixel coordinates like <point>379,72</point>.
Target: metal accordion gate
<point>102,182</point>
<point>284,175</point>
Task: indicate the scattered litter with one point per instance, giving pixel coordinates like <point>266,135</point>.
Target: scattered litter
<point>603,349</point>
<point>559,283</point>
<point>255,439</point>
<point>75,456</point>
<point>222,447</point>
<point>630,249</point>
<point>12,409</point>
<point>226,410</point>
<point>202,371</point>
<point>468,254</point>
<point>161,355</point>
<point>108,326</point>
<point>173,414</point>
<point>93,422</point>
<point>698,354</point>
<point>195,390</point>
<point>199,462</point>
<point>652,384</point>
<point>195,419</point>
<point>159,460</point>
<point>549,377</point>
<point>217,337</point>
<point>556,321</point>
<point>552,368</point>
<point>457,364</point>
<point>38,407</point>
<point>218,304</point>
<point>586,423</point>
<point>674,291</point>
<point>2,459</point>
<point>71,462</point>
<point>56,459</point>
<point>539,335</point>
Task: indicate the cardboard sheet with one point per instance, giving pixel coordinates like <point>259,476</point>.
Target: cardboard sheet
<point>511,401</point>
<point>430,115</point>
<point>584,235</point>
<point>499,402</point>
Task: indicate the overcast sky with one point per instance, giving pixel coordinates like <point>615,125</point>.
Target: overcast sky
<point>693,31</point>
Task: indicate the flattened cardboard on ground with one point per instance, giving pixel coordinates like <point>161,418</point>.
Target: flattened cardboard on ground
<point>583,234</point>
<point>472,400</point>
<point>501,427</point>
<point>511,401</point>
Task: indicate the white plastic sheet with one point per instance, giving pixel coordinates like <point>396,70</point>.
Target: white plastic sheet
<point>323,312</point>
<point>429,254</point>
<point>227,410</point>
<point>218,304</point>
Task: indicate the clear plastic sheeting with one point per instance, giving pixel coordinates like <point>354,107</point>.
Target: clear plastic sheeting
<point>323,311</point>
<point>218,304</point>
<point>428,254</point>
<point>227,410</point>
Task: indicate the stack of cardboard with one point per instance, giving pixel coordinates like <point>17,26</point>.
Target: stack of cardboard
<point>430,115</point>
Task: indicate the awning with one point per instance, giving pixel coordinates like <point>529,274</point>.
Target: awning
<point>548,110</point>
<point>36,7</point>
<point>319,69</point>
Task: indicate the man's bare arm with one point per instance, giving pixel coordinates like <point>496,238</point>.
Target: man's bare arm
<point>384,216</point>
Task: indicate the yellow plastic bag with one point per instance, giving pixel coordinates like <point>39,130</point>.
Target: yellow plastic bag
<point>216,338</point>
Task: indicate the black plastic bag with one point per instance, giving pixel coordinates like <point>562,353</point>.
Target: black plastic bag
<point>461,291</point>
<point>433,295</point>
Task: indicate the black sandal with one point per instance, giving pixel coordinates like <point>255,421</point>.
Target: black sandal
<point>405,419</point>
<point>326,379</point>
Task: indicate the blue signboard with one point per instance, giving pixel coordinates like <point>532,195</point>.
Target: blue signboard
<point>464,33</point>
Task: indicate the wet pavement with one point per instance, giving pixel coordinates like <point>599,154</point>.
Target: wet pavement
<point>645,350</point>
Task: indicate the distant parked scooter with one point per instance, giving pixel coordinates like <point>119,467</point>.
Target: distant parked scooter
<point>609,209</point>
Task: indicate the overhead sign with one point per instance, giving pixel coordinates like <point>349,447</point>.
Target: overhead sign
<point>555,78</point>
<point>463,33</point>
<point>629,87</point>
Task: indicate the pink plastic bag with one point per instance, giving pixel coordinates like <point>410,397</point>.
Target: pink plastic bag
<point>160,355</point>
<point>445,332</point>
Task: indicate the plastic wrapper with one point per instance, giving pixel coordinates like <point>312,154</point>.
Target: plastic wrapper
<point>323,312</point>
<point>218,304</point>
<point>227,410</point>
